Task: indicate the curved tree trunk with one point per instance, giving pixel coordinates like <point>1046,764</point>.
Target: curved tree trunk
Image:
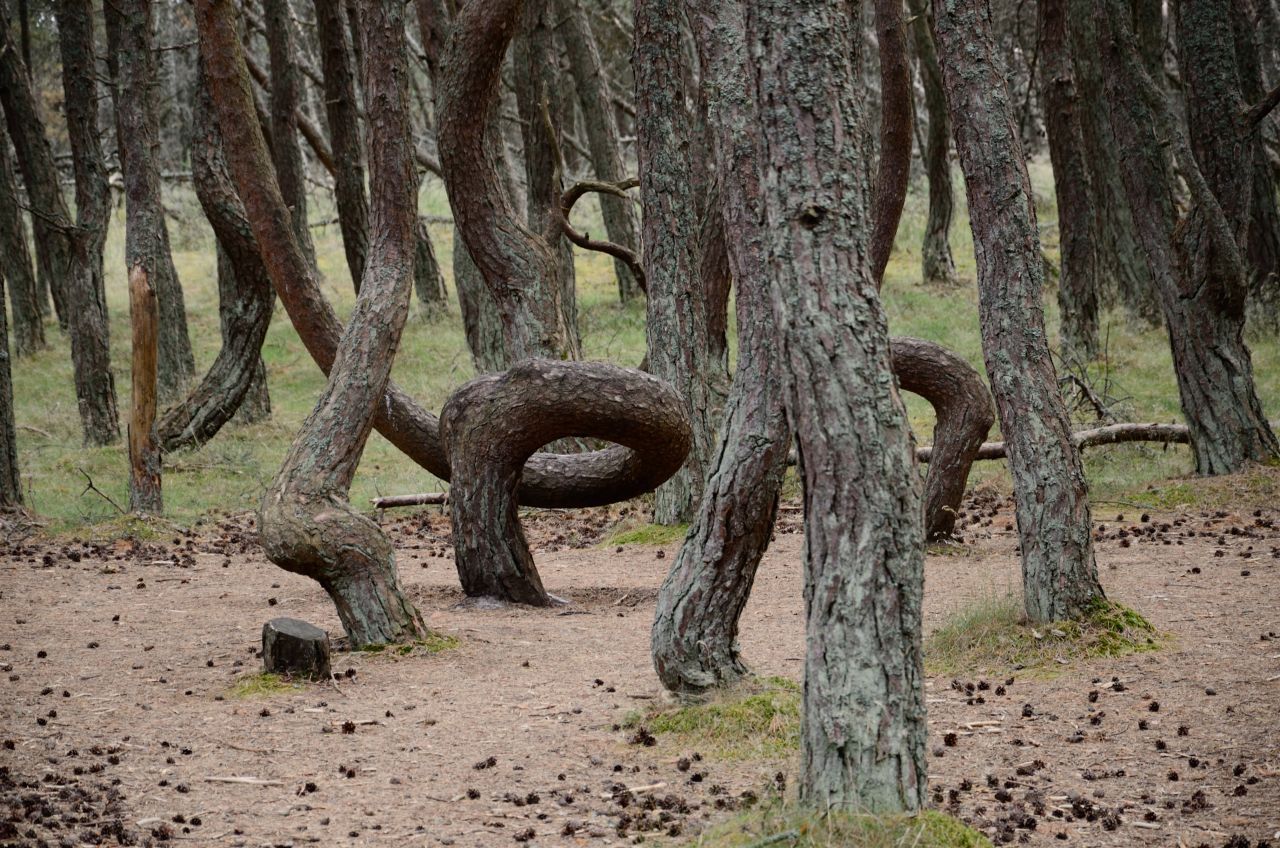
<point>286,100</point>
<point>937,265</point>
<point>15,263</point>
<point>897,111</point>
<point>246,299</point>
<point>1060,575</point>
<point>676,325</point>
<point>10,479</point>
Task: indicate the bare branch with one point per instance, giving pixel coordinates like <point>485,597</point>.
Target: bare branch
<point>584,240</point>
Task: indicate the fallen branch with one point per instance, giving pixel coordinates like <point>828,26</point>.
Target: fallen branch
<point>428,498</point>
<point>249,781</point>
<point>92,488</point>
<point>1112,434</point>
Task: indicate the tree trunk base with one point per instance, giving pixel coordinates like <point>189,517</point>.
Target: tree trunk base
<point>296,648</point>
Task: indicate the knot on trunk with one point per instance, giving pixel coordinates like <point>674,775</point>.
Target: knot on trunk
<point>493,424</point>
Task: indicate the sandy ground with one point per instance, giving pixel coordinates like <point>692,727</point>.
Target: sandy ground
<point>118,723</point>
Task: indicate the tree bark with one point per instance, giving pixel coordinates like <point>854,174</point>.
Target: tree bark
<point>84,291</point>
<point>1195,258</point>
<point>481,321</point>
<point>307,526</point>
<point>133,68</point>
<point>937,264</point>
<point>255,406</point>
<point>897,110</point>
<point>286,99</point>
<point>676,318</point>
<point>10,478</point>
<point>344,134</point>
<point>15,263</point>
<point>1060,576</point>
<point>428,282</point>
<point>494,423</point>
<point>715,271</point>
<point>144,450</point>
<point>595,101</point>
<point>1077,281</point>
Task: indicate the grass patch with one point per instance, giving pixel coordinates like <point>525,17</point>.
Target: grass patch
<point>434,643</point>
<point>758,718</point>
<point>1253,487</point>
<point>781,825</point>
<point>995,634</point>
<point>648,534</point>
<point>263,685</point>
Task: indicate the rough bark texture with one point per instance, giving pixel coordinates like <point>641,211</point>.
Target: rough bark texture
<point>1262,243</point>
<point>595,100</point>
<point>863,723</point>
<point>84,291</point>
<point>245,299</point>
<point>1077,281</point>
<point>428,281</point>
<point>306,524</point>
<point>133,66</point>
<point>1060,576</point>
<point>286,101</point>
<point>1194,258</point>
<point>897,110</point>
<point>493,424</point>
<point>937,264</point>
<point>676,318</point>
<point>15,262</point>
<point>344,134</point>
<point>144,450</point>
<point>716,273</point>
<point>10,479</point>
<point>481,321</point>
<point>294,647</point>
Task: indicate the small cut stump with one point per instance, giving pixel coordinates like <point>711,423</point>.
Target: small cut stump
<point>296,648</point>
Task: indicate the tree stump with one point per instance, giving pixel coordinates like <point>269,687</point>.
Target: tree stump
<point>294,647</point>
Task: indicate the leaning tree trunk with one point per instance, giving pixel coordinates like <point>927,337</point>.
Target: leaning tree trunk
<point>344,134</point>
<point>676,325</point>
<point>1077,282</point>
<point>10,479</point>
<point>937,264</point>
<point>428,281</point>
<point>15,263</point>
<point>133,67</point>
<point>245,297</point>
<point>1060,575</point>
<point>897,110</point>
<point>306,524</point>
<point>84,291</point>
<point>286,100</point>
<point>595,101</point>
<point>863,540</point>
<point>1195,258</point>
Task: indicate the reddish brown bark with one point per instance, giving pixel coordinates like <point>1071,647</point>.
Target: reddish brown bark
<point>897,112</point>
<point>144,450</point>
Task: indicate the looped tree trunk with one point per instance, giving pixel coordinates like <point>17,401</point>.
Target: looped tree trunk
<point>494,423</point>
<point>965,414</point>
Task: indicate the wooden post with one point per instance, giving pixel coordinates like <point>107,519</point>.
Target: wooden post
<point>144,450</point>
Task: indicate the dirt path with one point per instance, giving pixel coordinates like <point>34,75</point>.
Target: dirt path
<point>118,663</point>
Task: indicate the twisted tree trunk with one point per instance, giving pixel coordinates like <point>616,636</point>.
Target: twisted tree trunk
<point>15,263</point>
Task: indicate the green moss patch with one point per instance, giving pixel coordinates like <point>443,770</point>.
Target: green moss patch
<point>780,826</point>
<point>758,718</point>
<point>648,534</point>
<point>263,685</point>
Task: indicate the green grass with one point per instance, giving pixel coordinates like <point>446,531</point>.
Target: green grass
<point>789,827</point>
<point>434,644</point>
<point>757,719</point>
<point>993,635</point>
<point>647,534</point>
<point>263,685</point>
<point>232,472</point>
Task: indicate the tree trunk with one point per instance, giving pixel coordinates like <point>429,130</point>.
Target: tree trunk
<point>1148,23</point>
<point>133,68</point>
<point>1077,282</point>
<point>937,264</point>
<point>863,540</point>
<point>286,99</point>
<point>428,282</point>
<point>245,300</point>
<point>10,479</point>
<point>715,271</point>
<point>494,423</point>
<point>595,101</point>
<point>15,263</point>
<point>1060,576</point>
<point>344,134</point>
<point>144,450</point>
<point>480,318</point>
<point>1195,259</point>
<point>84,292</point>
<point>676,320</point>
<point>897,110</point>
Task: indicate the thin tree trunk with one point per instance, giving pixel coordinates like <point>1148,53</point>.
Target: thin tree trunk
<point>344,134</point>
<point>937,264</point>
<point>133,68</point>
<point>428,281</point>
<point>15,263</point>
<point>1060,575</point>
<point>676,325</point>
<point>481,321</point>
<point>595,101</point>
<point>10,478</point>
<point>144,450</point>
<point>286,100</point>
<point>897,111</point>
<point>1077,282</point>
<point>84,290</point>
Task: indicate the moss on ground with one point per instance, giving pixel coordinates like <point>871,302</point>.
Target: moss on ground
<point>757,718</point>
<point>263,685</point>
<point>647,534</point>
<point>776,824</point>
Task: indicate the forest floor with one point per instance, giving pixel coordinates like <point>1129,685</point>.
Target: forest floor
<point>132,706</point>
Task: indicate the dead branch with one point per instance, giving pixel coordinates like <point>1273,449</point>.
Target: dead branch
<point>584,240</point>
<point>425,499</point>
<point>92,488</point>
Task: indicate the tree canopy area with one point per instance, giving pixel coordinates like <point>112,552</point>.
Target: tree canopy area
<point>692,420</point>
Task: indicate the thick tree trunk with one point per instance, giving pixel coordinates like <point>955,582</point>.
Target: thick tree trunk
<point>245,300</point>
<point>863,540</point>
<point>1195,258</point>
<point>10,479</point>
<point>133,67</point>
<point>84,291</point>
<point>937,264</point>
<point>286,100</point>
<point>1060,575</point>
<point>493,424</point>
<point>897,111</point>
<point>595,101</point>
<point>676,325</point>
<point>1077,282</point>
<point>307,526</point>
<point>344,134</point>
<point>144,450</point>
<point>15,263</point>
<point>1148,23</point>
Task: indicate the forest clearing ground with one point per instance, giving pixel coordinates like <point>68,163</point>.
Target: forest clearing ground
<point>521,714</point>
